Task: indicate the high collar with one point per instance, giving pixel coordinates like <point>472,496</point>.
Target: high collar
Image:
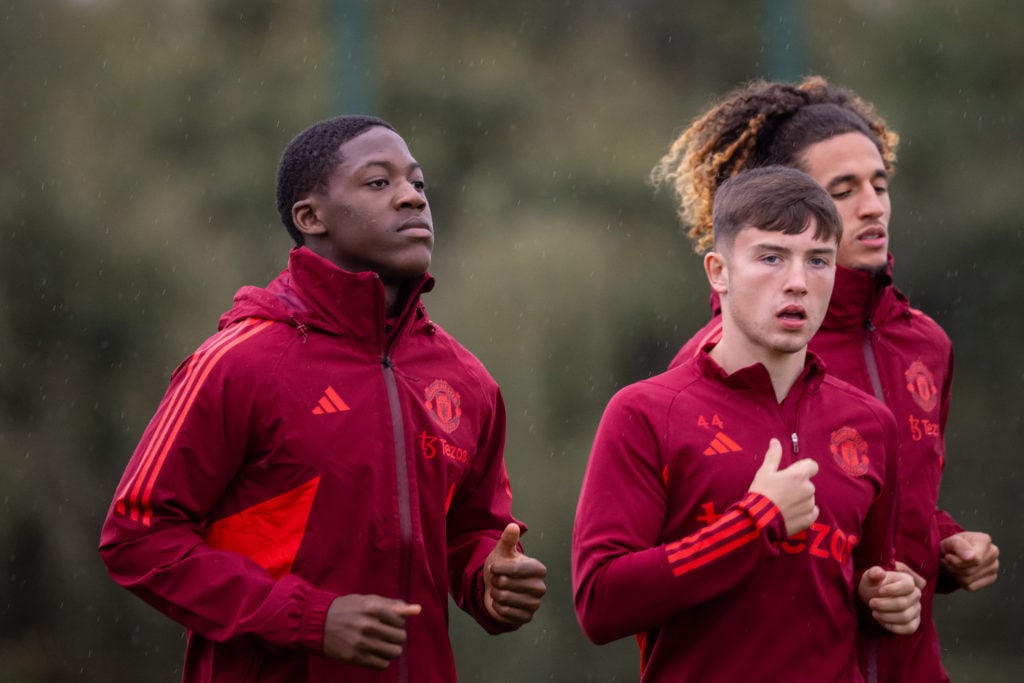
<point>756,378</point>
<point>315,293</point>
<point>860,296</point>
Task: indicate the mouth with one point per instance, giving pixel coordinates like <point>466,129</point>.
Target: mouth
<point>416,227</point>
<point>873,236</point>
<point>792,316</point>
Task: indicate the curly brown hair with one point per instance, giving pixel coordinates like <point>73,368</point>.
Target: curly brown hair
<point>759,124</point>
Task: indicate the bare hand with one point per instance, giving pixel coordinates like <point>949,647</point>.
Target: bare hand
<point>918,579</point>
<point>894,599</point>
<point>972,559</point>
<point>790,489</point>
<point>368,630</point>
<point>513,582</point>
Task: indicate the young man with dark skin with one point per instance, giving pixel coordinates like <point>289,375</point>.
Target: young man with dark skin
<point>328,468</point>
<point>871,336</point>
<point>728,565</point>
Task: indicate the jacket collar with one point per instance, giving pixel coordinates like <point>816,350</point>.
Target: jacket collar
<point>314,292</point>
<point>860,296</point>
<point>756,378</point>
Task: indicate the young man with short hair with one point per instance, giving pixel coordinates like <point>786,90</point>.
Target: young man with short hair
<point>326,469</point>
<point>725,563</point>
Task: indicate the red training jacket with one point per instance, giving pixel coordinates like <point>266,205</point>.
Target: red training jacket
<point>875,340</point>
<point>668,543</point>
<point>307,450</point>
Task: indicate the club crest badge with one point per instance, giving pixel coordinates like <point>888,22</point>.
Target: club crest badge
<point>850,451</point>
<point>444,404</point>
<point>921,385</point>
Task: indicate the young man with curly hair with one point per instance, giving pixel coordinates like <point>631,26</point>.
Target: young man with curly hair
<point>328,468</point>
<point>871,336</point>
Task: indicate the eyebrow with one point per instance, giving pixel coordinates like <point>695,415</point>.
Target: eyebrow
<point>769,246</point>
<point>414,166</point>
<point>851,177</point>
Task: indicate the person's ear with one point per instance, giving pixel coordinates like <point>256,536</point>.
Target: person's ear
<point>717,270</point>
<point>306,217</point>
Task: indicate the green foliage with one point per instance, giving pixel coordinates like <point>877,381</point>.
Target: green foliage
<point>138,144</point>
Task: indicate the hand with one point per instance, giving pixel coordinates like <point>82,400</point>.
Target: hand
<point>790,489</point>
<point>513,582</point>
<point>368,630</point>
<point>893,597</point>
<point>971,558</point>
<point>918,579</point>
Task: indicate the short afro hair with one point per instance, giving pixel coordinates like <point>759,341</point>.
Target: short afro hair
<point>311,157</point>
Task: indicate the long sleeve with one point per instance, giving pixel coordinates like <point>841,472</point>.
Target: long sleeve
<point>877,545</point>
<point>479,511</point>
<point>152,541</point>
<point>627,576</point>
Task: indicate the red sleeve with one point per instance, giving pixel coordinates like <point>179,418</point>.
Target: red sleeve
<point>152,542</point>
<point>480,510</point>
<point>626,579</point>
<point>947,526</point>
<point>877,545</point>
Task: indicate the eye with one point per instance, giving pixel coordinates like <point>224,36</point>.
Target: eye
<point>819,261</point>
<point>420,185</point>
<point>881,189</point>
<point>771,259</point>
<point>378,183</point>
<point>841,194</point>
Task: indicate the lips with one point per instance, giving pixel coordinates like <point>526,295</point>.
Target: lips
<point>872,234</point>
<point>793,317</point>
<point>416,227</point>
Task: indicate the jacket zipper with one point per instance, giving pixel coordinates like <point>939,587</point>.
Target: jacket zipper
<point>404,503</point>
<point>872,364</point>
<point>871,648</point>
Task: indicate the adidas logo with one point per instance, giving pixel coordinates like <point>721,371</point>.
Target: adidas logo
<point>722,444</point>
<point>330,402</point>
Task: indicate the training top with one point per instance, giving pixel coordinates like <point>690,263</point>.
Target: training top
<point>873,338</point>
<point>311,449</point>
<point>670,546</point>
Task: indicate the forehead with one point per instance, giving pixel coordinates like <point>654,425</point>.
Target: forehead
<point>847,155</point>
<point>755,239</point>
<point>376,145</point>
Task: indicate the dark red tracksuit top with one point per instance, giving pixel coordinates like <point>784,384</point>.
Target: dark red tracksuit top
<point>669,545</point>
<point>305,452</point>
<point>875,340</point>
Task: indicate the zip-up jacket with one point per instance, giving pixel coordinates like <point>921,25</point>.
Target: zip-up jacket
<point>669,545</point>
<point>308,450</point>
<point>872,338</point>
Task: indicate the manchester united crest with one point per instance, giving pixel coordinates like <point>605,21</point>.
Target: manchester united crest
<point>444,403</point>
<point>921,385</point>
<point>850,451</point>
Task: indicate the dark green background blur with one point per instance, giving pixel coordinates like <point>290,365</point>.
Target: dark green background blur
<point>138,144</point>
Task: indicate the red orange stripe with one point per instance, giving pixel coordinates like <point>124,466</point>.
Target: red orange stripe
<point>172,419</point>
<point>160,431</point>
<point>730,532</point>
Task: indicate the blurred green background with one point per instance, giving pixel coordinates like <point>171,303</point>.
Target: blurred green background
<point>138,144</point>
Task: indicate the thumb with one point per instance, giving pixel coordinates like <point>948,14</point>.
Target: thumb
<point>509,539</point>
<point>407,609</point>
<point>875,575</point>
<point>772,457</point>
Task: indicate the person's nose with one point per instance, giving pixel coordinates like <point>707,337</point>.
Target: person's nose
<point>410,195</point>
<point>796,278</point>
<point>870,203</point>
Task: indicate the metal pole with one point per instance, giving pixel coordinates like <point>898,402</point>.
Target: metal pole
<point>785,39</point>
<point>351,66</point>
